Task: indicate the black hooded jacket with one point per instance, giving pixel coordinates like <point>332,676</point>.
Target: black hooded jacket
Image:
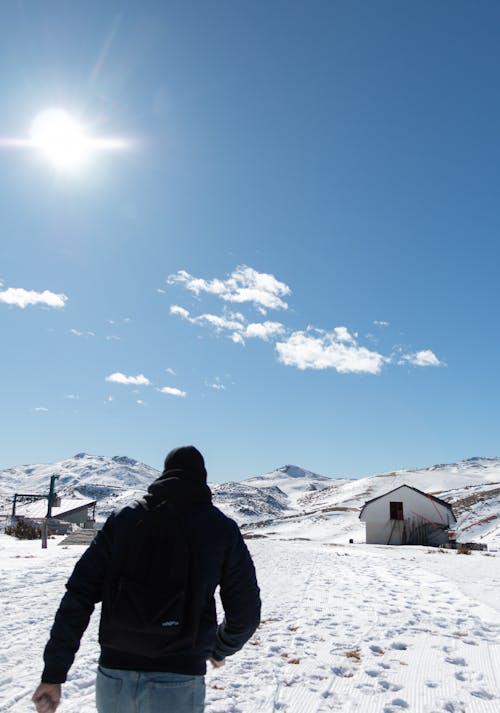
<point>222,560</point>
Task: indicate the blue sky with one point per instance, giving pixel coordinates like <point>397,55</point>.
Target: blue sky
<point>292,255</point>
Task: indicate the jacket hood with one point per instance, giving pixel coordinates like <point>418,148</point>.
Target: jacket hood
<point>183,481</point>
<point>186,458</point>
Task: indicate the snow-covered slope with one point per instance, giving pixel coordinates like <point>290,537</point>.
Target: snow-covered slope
<point>110,481</point>
<point>289,502</point>
<point>331,514</point>
<point>293,481</point>
<point>344,630</point>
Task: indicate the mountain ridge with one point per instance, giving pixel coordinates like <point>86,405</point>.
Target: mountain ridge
<point>287,502</point>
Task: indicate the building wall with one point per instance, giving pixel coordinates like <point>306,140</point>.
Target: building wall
<point>79,517</point>
<point>418,510</point>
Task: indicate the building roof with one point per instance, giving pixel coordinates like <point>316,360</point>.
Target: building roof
<point>420,492</point>
<point>39,507</point>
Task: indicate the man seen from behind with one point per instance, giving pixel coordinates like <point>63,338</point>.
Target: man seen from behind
<point>155,566</point>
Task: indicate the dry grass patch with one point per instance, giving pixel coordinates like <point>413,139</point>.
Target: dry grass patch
<point>354,654</point>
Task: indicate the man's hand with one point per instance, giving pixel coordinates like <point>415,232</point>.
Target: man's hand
<point>47,697</point>
<point>217,664</point>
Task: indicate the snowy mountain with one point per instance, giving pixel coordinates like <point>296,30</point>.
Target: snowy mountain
<point>111,481</point>
<point>289,502</point>
<point>331,514</point>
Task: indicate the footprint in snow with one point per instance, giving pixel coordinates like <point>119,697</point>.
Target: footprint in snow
<point>388,686</point>
<point>458,661</point>
<point>483,694</point>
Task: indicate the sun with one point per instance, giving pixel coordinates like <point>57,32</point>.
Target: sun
<point>61,139</point>
<point>65,141</point>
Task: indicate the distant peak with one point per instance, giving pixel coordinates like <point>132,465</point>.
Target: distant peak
<point>123,460</point>
<point>294,471</point>
<point>79,456</point>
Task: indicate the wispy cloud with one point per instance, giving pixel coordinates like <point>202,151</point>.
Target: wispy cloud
<point>22,298</point>
<point>170,371</point>
<point>118,378</point>
<point>425,357</point>
<point>72,397</point>
<point>310,348</point>
<point>172,391</point>
<point>317,349</point>
<point>233,322</point>
<point>79,333</point>
<point>40,409</point>
<point>244,284</point>
<point>216,384</point>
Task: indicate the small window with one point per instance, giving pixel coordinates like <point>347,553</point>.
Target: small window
<point>396,511</point>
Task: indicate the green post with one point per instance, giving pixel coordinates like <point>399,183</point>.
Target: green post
<point>53,479</point>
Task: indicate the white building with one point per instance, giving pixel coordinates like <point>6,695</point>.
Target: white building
<point>80,511</point>
<point>407,516</point>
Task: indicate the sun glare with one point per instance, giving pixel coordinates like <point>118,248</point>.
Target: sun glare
<point>61,139</point>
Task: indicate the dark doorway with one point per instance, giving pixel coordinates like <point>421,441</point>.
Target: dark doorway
<point>396,511</point>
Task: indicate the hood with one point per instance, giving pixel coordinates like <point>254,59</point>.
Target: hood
<point>183,481</point>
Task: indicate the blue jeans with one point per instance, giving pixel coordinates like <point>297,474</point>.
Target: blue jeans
<point>120,691</point>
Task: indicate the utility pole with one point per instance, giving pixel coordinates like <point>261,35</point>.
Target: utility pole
<point>53,479</point>
<point>51,498</point>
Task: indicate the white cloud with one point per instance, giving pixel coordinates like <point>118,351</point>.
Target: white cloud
<point>244,284</point>
<point>170,371</point>
<point>72,397</point>
<point>309,348</point>
<point>22,298</point>
<point>77,333</point>
<point>41,409</point>
<point>426,357</point>
<point>342,335</point>
<point>316,349</point>
<point>172,391</point>
<point>180,311</point>
<point>140,402</point>
<point>264,330</point>
<point>233,322</point>
<point>119,378</point>
<point>230,321</point>
<point>216,384</point>
<point>112,338</point>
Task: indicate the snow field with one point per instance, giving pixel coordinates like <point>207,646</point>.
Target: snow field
<point>354,629</point>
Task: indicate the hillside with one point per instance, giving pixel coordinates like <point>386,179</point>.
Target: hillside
<point>288,502</point>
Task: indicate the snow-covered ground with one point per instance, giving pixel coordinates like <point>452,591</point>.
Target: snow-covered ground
<point>357,628</point>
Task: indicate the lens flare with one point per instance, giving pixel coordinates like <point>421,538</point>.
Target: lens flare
<point>64,141</point>
<point>60,139</point>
